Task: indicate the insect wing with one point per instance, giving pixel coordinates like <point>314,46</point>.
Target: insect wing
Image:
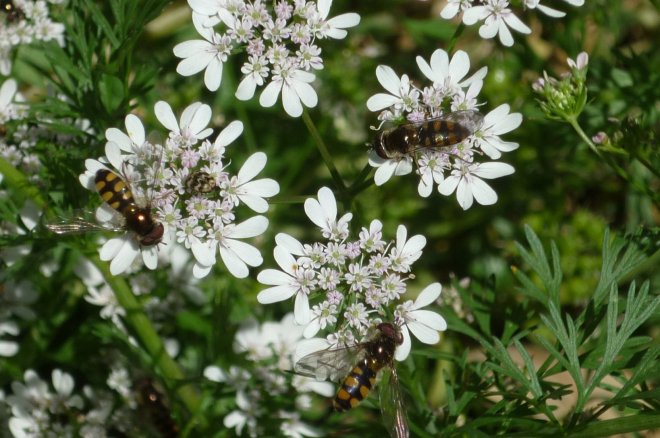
<point>469,119</point>
<point>391,404</point>
<point>77,225</point>
<point>330,364</point>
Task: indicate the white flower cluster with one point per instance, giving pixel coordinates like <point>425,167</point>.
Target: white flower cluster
<point>497,17</point>
<point>280,41</point>
<point>453,168</point>
<point>25,22</point>
<point>16,147</point>
<point>200,217</point>
<point>352,285</point>
<point>271,347</point>
<point>37,411</point>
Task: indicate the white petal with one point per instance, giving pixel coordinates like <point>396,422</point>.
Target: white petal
<point>204,252</point>
<point>425,334</point>
<point>493,169</point>
<point>291,102</point>
<point>201,271</point>
<point>459,66</point>
<point>255,203</point>
<point>415,244</point>
<point>448,186</point>
<point>312,328</point>
<point>306,93</point>
<point>482,192</point>
<point>388,79</point>
<point>328,203</point>
<point>233,262</point>
<point>464,194</point>
<point>308,346</point>
<point>269,95</point>
<point>301,309</point>
<point>384,172</point>
<point>514,23</point>
<point>150,257</point>
<point>246,88</point>
<point>285,260</point>
<point>264,188</point>
<point>428,295</point>
<point>110,248</point>
<point>199,119</point>
<point>252,227</point>
<point>474,14</point>
<point>193,65</point>
<point>273,277</point>
<point>315,212</point>
<point>430,319</point>
<point>252,166</point>
<point>229,134</point>
<point>213,74</point>
<point>381,101</point>
<point>403,350</point>
<point>246,252</point>
<point>291,244</point>
<point>275,294</point>
<point>124,257</point>
<point>135,129</point>
<point>165,116</point>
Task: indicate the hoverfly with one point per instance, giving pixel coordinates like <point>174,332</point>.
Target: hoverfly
<point>432,133</point>
<point>116,192</point>
<point>152,402</point>
<point>358,366</point>
<point>11,11</point>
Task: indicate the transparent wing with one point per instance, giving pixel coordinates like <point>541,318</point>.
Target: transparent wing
<point>391,404</point>
<point>471,120</point>
<point>330,364</point>
<point>77,225</point>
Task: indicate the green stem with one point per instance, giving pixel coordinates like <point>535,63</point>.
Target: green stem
<point>142,327</point>
<point>361,183</point>
<point>574,123</point>
<point>616,426</point>
<point>454,38</point>
<point>320,145</point>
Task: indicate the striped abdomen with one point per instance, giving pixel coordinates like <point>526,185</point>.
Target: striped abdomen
<point>114,190</point>
<point>356,385</point>
<point>442,133</point>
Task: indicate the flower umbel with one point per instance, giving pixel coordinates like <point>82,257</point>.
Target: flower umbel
<point>191,194</point>
<point>279,38</point>
<point>565,98</point>
<point>351,285</point>
<point>448,149</point>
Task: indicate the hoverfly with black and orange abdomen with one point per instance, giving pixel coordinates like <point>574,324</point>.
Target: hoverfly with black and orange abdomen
<point>356,367</point>
<point>432,133</point>
<point>116,192</point>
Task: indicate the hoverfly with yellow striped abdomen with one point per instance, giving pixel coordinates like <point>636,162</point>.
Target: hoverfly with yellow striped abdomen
<point>357,367</point>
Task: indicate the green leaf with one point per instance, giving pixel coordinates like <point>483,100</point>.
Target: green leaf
<point>112,92</point>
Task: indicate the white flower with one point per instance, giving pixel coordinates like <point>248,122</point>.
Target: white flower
<point>402,97</point>
<point>580,62</point>
<point>235,254</point>
<point>406,251</point>
<point>448,75</point>
<point>252,193</point>
<point>386,168</point>
<point>192,123</point>
<point>8,348</point>
<point>324,214</point>
<point>496,123</point>
<point>246,414</point>
<point>291,280</point>
<point>294,86</point>
<point>334,27</point>
<point>497,16</point>
<point>424,324</point>
<point>134,139</point>
<point>208,54</point>
<point>469,186</point>
<point>453,7</point>
<point>536,4</point>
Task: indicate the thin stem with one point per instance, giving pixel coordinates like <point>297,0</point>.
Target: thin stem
<point>142,327</point>
<point>320,145</point>
<point>359,183</point>
<point>454,38</point>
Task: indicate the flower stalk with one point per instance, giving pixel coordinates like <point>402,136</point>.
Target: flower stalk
<point>141,326</point>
